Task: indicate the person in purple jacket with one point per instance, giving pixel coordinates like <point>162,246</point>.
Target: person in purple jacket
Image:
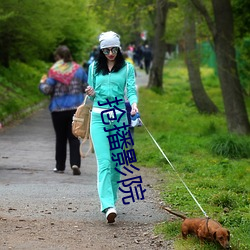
<point>65,83</point>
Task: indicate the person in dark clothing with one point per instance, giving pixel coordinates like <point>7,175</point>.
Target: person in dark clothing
<point>65,83</point>
<point>147,54</point>
<point>93,55</point>
<point>138,56</point>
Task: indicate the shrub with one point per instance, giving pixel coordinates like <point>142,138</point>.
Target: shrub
<point>231,146</point>
<point>223,200</point>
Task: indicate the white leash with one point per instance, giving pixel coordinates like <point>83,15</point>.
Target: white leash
<point>175,170</point>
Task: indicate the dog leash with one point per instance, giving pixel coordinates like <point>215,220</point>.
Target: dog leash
<point>175,170</point>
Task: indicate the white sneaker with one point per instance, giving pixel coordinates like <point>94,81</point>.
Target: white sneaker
<point>111,214</point>
<point>58,171</point>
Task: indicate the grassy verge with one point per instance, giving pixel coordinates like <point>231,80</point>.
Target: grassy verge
<point>19,88</point>
<point>214,164</point>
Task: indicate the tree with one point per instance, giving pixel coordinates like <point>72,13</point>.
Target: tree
<point>159,46</point>
<point>241,17</point>
<point>223,38</point>
<point>28,33</point>
<point>126,18</point>
<point>201,99</point>
<point>23,33</point>
<point>242,33</point>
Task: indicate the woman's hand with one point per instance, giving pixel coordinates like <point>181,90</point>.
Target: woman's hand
<point>134,109</point>
<point>90,91</point>
<point>43,79</point>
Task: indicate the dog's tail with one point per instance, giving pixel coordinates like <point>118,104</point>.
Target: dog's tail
<point>175,213</point>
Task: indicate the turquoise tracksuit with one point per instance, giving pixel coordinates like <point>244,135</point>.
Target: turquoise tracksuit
<point>109,87</point>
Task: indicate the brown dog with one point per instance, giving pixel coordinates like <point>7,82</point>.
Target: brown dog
<point>204,229</point>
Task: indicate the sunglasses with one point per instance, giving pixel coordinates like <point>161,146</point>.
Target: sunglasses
<point>106,51</point>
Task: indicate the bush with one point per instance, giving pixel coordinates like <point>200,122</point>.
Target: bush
<point>19,88</point>
<point>224,200</point>
<point>231,146</point>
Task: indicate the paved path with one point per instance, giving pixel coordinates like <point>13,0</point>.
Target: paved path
<point>29,189</point>
<point>141,78</point>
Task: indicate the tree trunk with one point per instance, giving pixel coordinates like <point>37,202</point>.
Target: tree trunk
<point>235,109</point>
<point>201,99</point>
<point>159,47</point>
<point>223,38</point>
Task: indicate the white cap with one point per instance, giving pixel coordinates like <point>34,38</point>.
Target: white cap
<point>109,39</point>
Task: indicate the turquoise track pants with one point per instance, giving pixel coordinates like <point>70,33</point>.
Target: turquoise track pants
<point>107,176</point>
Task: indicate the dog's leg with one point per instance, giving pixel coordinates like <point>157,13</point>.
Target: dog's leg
<point>184,235</point>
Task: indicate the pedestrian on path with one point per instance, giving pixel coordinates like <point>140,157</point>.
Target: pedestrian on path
<point>108,77</point>
<point>65,84</point>
<point>147,54</point>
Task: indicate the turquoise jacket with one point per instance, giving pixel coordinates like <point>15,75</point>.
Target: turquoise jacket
<point>113,85</point>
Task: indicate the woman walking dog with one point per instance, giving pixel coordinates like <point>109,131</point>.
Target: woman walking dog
<point>108,78</point>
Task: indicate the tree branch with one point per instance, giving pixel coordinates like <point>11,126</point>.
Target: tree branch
<point>202,9</point>
<point>172,5</point>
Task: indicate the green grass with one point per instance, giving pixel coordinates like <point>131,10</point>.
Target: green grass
<point>214,164</point>
<point>19,88</point>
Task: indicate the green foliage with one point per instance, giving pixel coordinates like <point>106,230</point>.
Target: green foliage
<point>175,28</point>
<point>128,18</point>
<point>241,17</point>
<point>19,87</point>
<point>175,25</point>
<point>243,59</point>
<point>231,146</point>
<point>28,33</point>
<point>224,200</point>
<point>219,183</point>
